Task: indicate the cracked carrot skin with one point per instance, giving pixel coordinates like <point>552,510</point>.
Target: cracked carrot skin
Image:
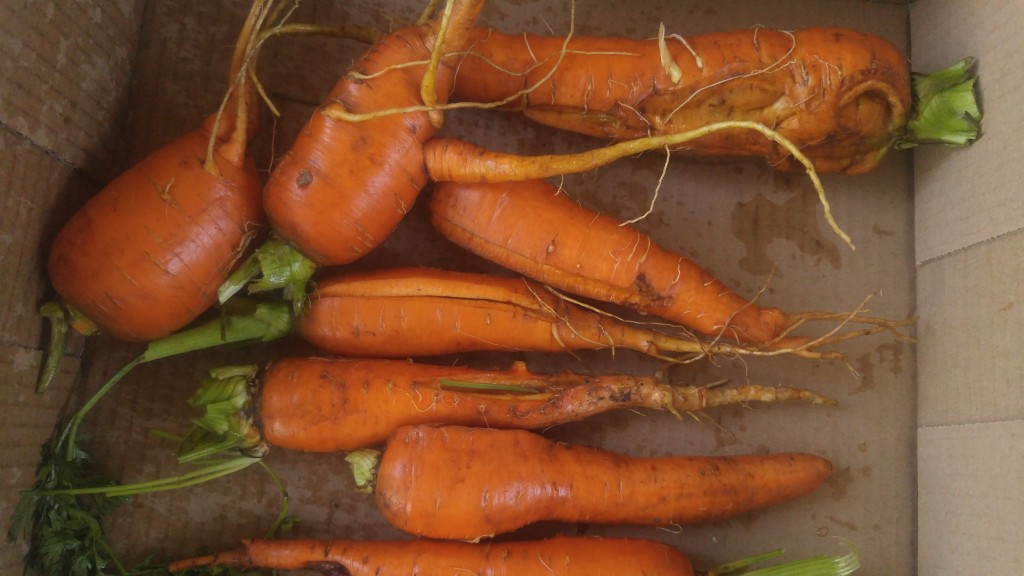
<point>557,556</point>
<point>532,229</point>
<point>468,483</point>
<point>404,312</point>
<point>345,185</point>
<point>335,404</point>
<point>840,95</point>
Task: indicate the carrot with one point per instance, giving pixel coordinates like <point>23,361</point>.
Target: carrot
<point>469,483</point>
<point>565,556</point>
<point>145,256</point>
<point>530,228</point>
<point>344,404</point>
<point>842,97</point>
<point>347,182</point>
<point>406,312</point>
<point>558,555</point>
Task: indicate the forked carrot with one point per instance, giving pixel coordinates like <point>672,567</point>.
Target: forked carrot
<point>357,166</point>
<point>469,483</point>
<point>408,312</point>
<point>531,228</point>
<point>841,96</point>
<point>344,404</point>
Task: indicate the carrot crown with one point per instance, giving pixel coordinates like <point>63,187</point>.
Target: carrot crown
<point>274,265</point>
<point>225,399</point>
<point>945,109</point>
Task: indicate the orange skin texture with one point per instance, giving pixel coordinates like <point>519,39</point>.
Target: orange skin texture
<point>403,312</point>
<point>327,405</point>
<point>841,96</point>
<point>145,256</point>
<point>450,482</point>
<point>530,228</point>
<point>558,556</point>
<point>344,186</point>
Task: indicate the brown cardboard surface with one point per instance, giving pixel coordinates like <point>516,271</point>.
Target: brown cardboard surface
<point>751,227</point>
<point>66,77</point>
<point>970,499</point>
<point>969,240</point>
<point>28,419</point>
<point>971,317</point>
<point>968,196</point>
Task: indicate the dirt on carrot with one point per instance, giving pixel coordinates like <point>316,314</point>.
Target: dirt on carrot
<point>342,404</point>
<point>534,229</point>
<point>357,167</point>
<point>558,556</point>
<point>469,483</point>
<point>841,96</point>
<point>410,312</point>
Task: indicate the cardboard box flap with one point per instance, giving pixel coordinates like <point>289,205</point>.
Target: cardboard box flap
<point>964,197</point>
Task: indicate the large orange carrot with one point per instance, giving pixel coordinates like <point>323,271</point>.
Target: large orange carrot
<point>346,183</point>
<point>530,228</point>
<point>424,312</point>
<point>145,256</point>
<point>336,404</point>
<point>558,556</point>
<point>468,483</point>
<point>841,96</point>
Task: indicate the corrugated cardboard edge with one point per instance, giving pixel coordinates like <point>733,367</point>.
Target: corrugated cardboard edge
<point>970,286</point>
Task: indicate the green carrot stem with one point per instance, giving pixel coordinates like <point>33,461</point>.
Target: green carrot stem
<point>273,266</point>
<point>743,563</point>
<point>226,423</point>
<point>814,566</point>
<point>363,464</point>
<point>54,313</point>
<point>486,386</point>
<point>198,476</point>
<point>282,515</point>
<point>262,322</point>
<point>945,109</point>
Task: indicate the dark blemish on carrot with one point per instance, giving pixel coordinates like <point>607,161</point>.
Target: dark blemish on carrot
<point>329,568</point>
<point>304,179</point>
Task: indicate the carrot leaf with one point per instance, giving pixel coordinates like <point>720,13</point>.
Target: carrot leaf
<point>945,108</point>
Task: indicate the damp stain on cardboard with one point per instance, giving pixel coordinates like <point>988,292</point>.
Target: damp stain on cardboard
<point>840,483</point>
<point>760,221</point>
<point>888,355</point>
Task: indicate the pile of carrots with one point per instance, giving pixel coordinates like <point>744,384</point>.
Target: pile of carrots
<point>448,434</point>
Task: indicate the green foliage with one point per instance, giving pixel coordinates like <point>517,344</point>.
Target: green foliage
<point>65,531</point>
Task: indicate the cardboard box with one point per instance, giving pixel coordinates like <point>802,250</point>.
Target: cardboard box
<point>926,440</point>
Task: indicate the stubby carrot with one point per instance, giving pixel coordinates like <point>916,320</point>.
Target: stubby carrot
<point>145,256</point>
<point>357,167</point>
<point>841,96</point>
<point>408,312</point>
<point>557,556</point>
<point>532,229</point>
<point>344,404</point>
<point>468,483</point>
